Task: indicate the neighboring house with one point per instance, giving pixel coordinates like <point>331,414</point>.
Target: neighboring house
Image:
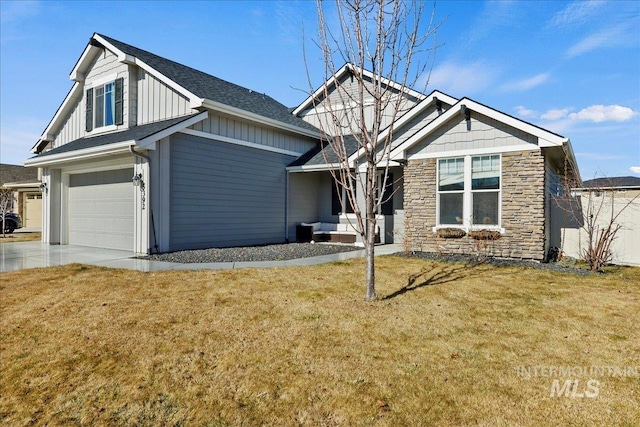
<point>27,198</point>
<point>220,165</point>
<point>604,197</point>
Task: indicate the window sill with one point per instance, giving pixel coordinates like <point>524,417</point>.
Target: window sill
<point>103,129</point>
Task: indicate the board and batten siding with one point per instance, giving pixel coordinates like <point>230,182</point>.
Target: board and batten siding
<point>225,195</point>
<point>156,101</point>
<point>73,128</point>
<point>342,100</point>
<point>243,130</point>
<point>105,65</point>
<point>482,133</point>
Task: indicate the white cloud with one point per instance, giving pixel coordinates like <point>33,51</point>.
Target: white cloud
<point>617,36</point>
<point>525,84</point>
<point>525,112</point>
<point>463,79</point>
<point>556,114</point>
<point>635,169</point>
<point>576,13</point>
<point>604,113</point>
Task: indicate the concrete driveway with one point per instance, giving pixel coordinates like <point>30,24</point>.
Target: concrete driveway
<point>19,256</point>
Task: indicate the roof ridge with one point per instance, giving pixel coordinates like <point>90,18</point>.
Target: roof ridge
<point>111,39</point>
<point>206,86</point>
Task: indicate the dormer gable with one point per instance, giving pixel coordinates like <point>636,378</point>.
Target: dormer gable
<point>338,95</point>
<point>152,89</point>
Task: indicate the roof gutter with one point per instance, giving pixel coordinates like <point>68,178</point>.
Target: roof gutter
<point>52,159</point>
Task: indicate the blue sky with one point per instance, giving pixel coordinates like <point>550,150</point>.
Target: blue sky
<point>570,67</point>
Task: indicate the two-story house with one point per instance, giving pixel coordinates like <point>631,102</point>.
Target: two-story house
<point>147,154</point>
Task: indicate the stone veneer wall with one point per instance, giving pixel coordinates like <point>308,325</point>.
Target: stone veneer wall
<point>522,210</point>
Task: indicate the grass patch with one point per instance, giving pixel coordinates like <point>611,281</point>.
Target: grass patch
<point>20,237</point>
<point>298,346</point>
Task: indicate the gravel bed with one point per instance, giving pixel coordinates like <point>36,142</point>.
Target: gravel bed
<point>562,266</point>
<point>253,253</point>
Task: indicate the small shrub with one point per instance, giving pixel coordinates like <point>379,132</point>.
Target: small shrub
<point>485,235</point>
<point>451,233</point>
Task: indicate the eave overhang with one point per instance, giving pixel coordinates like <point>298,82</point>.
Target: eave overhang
<point>84,154</point>
<point>342,72</point>
<point>545,137</point>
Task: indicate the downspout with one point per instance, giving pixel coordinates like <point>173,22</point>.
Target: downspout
<point>135,153</point>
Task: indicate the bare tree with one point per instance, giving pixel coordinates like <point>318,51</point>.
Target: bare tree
<point>384,44</point>
<point>5,201</point>
<point>595,212</point>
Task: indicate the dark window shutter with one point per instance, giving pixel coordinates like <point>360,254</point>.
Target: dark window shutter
<point>119,103</point>
<point>387,193</point>
<point>89,113</point>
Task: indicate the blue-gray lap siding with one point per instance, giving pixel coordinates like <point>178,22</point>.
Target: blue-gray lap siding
<point>225,194</point>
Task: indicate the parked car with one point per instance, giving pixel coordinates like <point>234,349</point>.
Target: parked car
<point>12,222</point>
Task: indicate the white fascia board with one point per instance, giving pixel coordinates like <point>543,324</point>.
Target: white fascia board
<point>381,164</point>
<point>474,152</point>
<point>568,150</point>
<point>148,143</point>
<point>545,138</point>
<point>87,153</point>
<point>313,168</point>
<point>78,74</point>
<point>75,94</point>
<point>19,185</point>
<point>223,108</point>
<point>194,101</point>
<point>417,109</point>
<point>398,153</point>
<point>128,59</point>
<point>338,75</point>
<point>235,141</point>
<point>393,84</point>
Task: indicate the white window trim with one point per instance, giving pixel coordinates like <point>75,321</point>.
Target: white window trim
<point>101,81</point>
<point>95,84</point>
<point>467,198</point>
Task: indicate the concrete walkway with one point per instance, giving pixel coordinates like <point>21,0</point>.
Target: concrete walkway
<point>19,256</point>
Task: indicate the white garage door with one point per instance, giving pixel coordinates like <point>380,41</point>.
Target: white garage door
<point>101,208</point>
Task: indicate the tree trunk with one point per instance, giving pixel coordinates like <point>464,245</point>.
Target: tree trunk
<point>370,235</point>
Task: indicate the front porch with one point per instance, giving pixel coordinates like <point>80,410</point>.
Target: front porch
<point>312,198</point>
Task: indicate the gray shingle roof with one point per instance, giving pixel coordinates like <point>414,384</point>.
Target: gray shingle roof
<point>209,87</point>
<point>315,156</point>
<point>612,182</point>
<point>135,133</point>
<point>16,173</point>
